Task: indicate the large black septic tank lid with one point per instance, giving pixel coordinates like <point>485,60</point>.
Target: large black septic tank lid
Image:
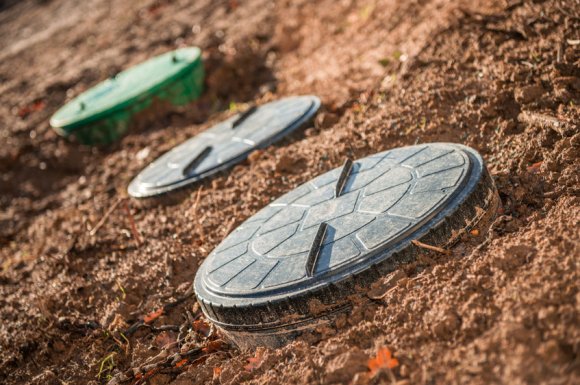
<point>335,235</point>
<point>224,145</point>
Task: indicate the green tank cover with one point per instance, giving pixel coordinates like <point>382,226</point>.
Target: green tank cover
<point>104,113</point>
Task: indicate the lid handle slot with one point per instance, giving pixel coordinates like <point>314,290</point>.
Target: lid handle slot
<point>314,252</point>
<point>192,165</point>
<point>243,116</point>
<point>343,178</point>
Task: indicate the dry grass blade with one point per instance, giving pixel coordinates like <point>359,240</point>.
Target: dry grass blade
<point>105,217</point>
<point>546,121</point>
<point>432,248</point>
<point>134,230</point>
<point>197,199</point>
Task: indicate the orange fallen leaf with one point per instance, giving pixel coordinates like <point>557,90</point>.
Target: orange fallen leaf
<point>154,9</point>
<point>216,372</point>
<point>151,373</point>
<point>254,362</point>
<point>152,316</point>
<point>474,232</point>
<point>535,168</point>
<point>38,105</point>
<point>141,376</point>
<point>179,364</point>
<point>212,346</point>
<point>383,360</point>
<point>30,108</point>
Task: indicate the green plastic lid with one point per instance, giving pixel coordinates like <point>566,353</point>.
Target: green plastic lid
<point>129,87</point>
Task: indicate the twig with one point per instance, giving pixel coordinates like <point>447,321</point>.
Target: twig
<point>546,121</point>
<point>391,376</point>
<point>513,6</point>
<point>432,248</point>
<point>73,244</point>
<point>173,328</point>
<point>197,199</point>
<point>149,370</point>
<point>133,328</point>
<point>169,265</point>
<point>134,230</point>
<point>103,220</point>
<point>230,225</point>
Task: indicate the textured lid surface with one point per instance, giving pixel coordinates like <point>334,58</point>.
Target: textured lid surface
<point>125,88</point>
<point>338,224</point>
<point>223,145</point>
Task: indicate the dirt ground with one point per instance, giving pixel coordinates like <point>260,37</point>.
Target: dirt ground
<point>116,306</point>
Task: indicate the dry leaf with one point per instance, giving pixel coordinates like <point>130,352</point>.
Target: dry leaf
<point>152,316</point>
<point>30,108</point>
<point>164,339</point>
<point>202,327</point>
<point>535,168</point>
<point>179,364</point>
<point>254,362</point>
<point>212,346</point>
<point>383,360</point>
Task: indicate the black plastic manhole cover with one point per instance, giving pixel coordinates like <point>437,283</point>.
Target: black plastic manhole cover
<point>343,229</point>
<point>224,145</point>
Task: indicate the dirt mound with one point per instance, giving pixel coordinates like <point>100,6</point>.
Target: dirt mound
<point>115,305</point>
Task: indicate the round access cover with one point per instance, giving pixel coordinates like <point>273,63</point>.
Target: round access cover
<point>102,114</point>
<point>299,261</point>
<point>224,145</point>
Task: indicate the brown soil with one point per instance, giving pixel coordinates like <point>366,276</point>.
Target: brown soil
<point>504,308</point>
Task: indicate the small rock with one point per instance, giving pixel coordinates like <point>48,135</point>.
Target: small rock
<point>164,339</point>
<point>515,256</point>
<point>255,156</point>
<point>568,81</point>
<point>552,352</point>
<point>380,288</point>
<point>360,379</point>
<point>284,163</point>
<point>520,193</point>
<point>288,164</point>
<point>326,119</point>
<point>46,378</point>
<point>143,154</point>
<point>404,371</point>
<point>343,367</point>
<point>217,184</point>
<point>508,127</point>
<point>528,94</point>
<point>160,379</point>
<point>58,346</point>
<point>446,326</point>
<point>227,374</point>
